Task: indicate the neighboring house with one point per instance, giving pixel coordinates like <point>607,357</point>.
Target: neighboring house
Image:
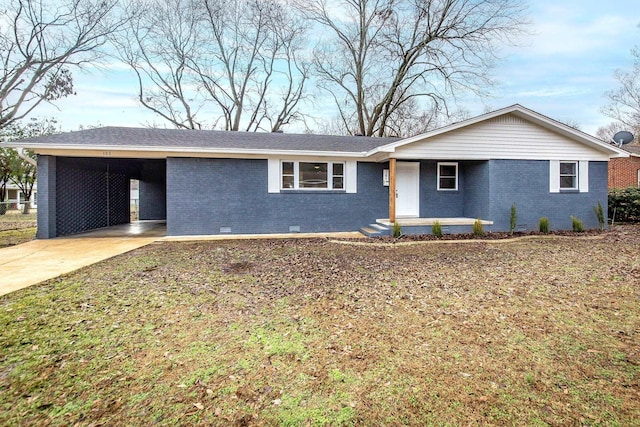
<point>215,182</point>
<point>625,172</point>
<point>14,198</point>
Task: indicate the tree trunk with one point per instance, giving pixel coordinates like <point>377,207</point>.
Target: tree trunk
<point>27,207</point>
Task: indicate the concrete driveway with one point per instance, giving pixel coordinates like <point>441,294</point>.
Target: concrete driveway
<point>32,262</point>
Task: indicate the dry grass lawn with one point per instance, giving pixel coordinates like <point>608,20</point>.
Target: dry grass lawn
<point>312,332</point>
<point>16,228</point>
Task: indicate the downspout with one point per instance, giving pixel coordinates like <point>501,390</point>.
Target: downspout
<point>26,158</point>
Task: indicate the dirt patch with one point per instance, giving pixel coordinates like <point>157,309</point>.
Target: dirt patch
<point>309,332</point>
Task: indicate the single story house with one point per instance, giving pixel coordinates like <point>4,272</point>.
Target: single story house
<point>215,182</point>
<point>15,199</point>
<point>625,172</point>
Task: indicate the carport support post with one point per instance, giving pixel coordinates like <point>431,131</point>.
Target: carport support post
<point>47,197</point>
<point>392,190</point>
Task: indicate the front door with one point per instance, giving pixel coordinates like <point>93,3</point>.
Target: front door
<point>408,189</point>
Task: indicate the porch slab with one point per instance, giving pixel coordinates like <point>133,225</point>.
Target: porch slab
<point>417,222</point>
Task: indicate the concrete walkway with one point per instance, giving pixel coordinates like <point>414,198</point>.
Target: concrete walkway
<point>32,262</point>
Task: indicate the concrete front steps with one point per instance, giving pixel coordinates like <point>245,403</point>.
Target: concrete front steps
<point>376,230</point>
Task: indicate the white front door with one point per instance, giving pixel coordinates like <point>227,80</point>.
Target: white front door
<point>408,189</point>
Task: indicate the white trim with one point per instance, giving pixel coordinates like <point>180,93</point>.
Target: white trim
<point>161,152</point>
<point>351,176</point>
<point>583,176</point>
<point>577,174</point>
<point>273,171</point>
<point>438,173</point>
<point>554,176</point>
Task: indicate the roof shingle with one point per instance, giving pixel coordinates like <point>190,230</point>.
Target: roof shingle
<point>196,139</point>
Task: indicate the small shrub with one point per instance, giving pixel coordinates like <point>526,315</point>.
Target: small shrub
<point>576,224</point>
<point>436,229</point>
<point>396,230</point>
<point>543,225</point>
<point>600,215</point>
<point>477,228</point>
<point>513,219</point>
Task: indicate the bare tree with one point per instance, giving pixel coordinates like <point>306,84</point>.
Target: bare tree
<point>380,54</point>
<point>234,64</point>
<point>624,102</point>
<point>158,46</point>
<point>41,42</point>
<point>407,120</point>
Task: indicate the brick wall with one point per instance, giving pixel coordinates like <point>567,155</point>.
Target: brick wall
<point>46,197</point>
<point>152,193</point>
<point>526,183</point>
<point>230,195</point>
<point>623,173</point>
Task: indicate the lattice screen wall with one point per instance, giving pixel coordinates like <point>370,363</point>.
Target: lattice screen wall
<point>90,197</point>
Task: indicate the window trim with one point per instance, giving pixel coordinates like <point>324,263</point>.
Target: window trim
<point>576,175</point>
<point>456,177</point>
<point>296,175</point>
<point>583,176</point>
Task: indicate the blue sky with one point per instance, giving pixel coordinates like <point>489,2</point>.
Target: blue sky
<point>561,69</point>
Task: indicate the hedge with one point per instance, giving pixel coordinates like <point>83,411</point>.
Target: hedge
<point>625,204</point>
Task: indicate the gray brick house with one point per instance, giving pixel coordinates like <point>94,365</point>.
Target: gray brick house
<point>214,182</point>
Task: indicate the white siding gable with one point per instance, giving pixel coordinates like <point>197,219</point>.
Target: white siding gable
<point>503,137</point>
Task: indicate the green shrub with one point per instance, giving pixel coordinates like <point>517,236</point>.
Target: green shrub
<point>600,215</point>
<point>396,230</point>
<point>477,228</point>
<point>624,203</point>
<point>436,228</point>
<point>543,225</point>
<point>576,224</point>
<point>513,219</point>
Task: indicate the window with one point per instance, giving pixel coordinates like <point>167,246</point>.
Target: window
<point>312,175</point>
<point>338,176</point>
<point>568,175</point>
<point>447,176</point>
<point>287,175</point>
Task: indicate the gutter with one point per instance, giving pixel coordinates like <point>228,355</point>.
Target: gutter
<point>20,152</point>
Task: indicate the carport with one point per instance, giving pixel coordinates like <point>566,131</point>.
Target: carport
<point>79,194</point>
